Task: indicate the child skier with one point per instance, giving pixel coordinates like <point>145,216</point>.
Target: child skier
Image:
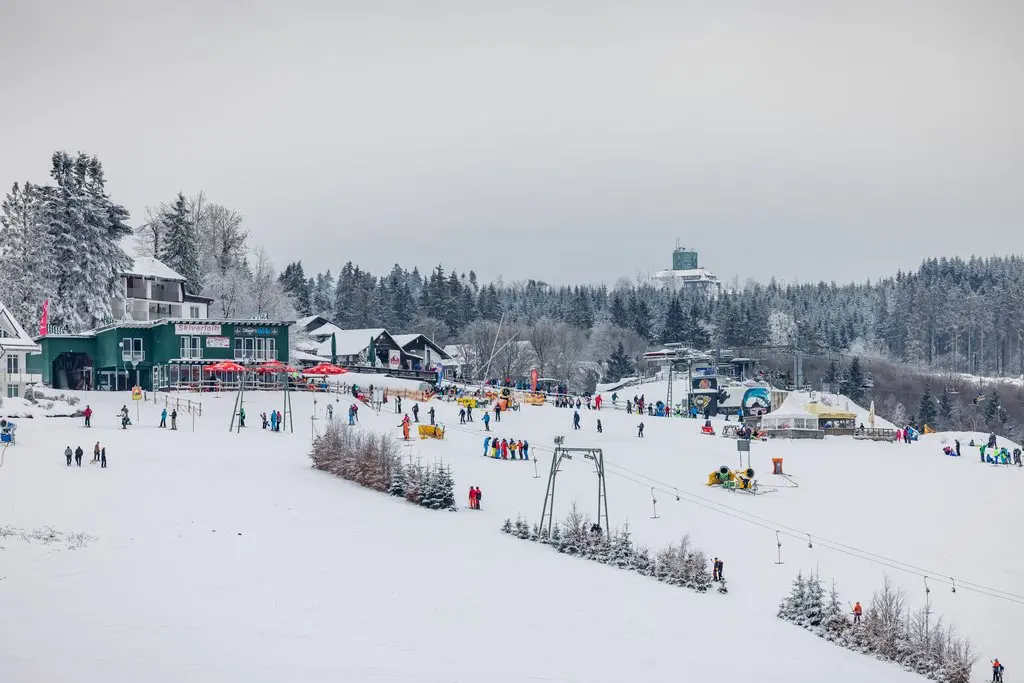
<point>857,612</point>
<point>997,671</point>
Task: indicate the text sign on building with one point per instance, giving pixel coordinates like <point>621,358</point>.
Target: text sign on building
<point>394,359</point>
<point>218,343</point>
<point>255,331</point>
<point>200,329</point>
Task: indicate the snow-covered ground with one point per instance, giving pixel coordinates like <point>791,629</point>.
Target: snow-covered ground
<point>216,556</point>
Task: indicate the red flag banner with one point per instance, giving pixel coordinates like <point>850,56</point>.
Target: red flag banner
<point>533,379</point>
<point>44,321</point>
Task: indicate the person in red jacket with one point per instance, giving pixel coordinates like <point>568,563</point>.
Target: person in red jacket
<point>504,449</point>
<point>87,413</point>
<point>472,498</point>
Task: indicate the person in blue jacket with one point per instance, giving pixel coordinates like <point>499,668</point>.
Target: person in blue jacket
<point>487,422</point>
<point>487,444</point>
<point>526,450</point>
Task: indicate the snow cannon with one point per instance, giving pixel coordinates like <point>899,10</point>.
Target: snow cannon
<point>720,476</point>
<point>431,431</point>
<point>743,480</point>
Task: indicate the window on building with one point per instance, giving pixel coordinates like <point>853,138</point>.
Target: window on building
<point>245,348</point>
<point>12,365</point>
<point>191,347</point>
<point>131,350</point>
<point>12,391</point>
<point>193,312</point>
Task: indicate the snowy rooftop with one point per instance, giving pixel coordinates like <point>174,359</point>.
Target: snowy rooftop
<point>694,274</point>
<point>12,334</point>
<point>147,266</point>
<point>348,342</point>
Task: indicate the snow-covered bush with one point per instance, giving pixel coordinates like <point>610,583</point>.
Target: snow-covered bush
<point>373,461</point>
<point>888,629</point>
<point>677,565</point>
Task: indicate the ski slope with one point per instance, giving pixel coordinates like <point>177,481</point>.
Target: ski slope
<point>217,556</point>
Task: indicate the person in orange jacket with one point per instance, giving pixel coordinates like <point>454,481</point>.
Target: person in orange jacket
<point>997,671</point>
<point>405,427</point>
<point>857,612</point>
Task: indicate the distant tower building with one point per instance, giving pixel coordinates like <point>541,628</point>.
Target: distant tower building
<point>687,274</point>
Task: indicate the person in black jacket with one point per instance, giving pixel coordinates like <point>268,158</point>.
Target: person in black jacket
<point>78,456</point>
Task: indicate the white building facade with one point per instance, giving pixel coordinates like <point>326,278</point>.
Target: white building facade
<point>686,273</point>
<point>152,291</point>
<point>15,346</point>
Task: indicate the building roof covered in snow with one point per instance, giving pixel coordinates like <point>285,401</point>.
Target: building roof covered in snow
<point>12,335</point>
<point>147,266</point>
<point>407,341</point>
<point>355,342</point>
<point>324,331</point>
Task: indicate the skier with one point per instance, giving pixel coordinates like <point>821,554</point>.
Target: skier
<point>103,458</point>
<point>416,412</point>
<point>472,498</point>
<point>174,419</point>
<point>576,419</point>
<point>462,416</point>
<point>714,569</point>
<point>487,422</point>
<point>406,426</point>
<point>497,413</point>
<point>431,413</point>
<point>469,413</point>
<point>640,430</point>
<point>487,445</point>
<point>330,412</point>
<point>241,417</point>
<point>478,497</point>
<point>163,418</point>
<point>504,449</point>
<point>857,612</point>
<point>997,671</point>
<point>68,454</point>
<point>526,450</point>
<point>96,452</point>
<point>629,407</point>
<point>87,413</point>
<point>124,417</point>
<point>263,419</point>
<point>615,397</point>
<point>721,570</point>
<point>273,421</point>
<point>78,456</point>
<point>957,442</point>
<point>599,430</point>
<point>398,405</point>
<point>352,415</point>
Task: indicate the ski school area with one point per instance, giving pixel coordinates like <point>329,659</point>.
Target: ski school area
<point>214,552</point>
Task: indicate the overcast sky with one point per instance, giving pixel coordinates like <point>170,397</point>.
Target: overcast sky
<point>566,141</point>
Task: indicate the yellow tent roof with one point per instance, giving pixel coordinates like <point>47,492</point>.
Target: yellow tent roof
<point>830,413</point>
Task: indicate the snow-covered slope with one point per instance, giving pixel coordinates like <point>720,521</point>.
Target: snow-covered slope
<point>223,557</point>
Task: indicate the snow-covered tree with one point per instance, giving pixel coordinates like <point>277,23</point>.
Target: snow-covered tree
<point>619,365</point>
<point>179,249</point>
<point>26,269</point>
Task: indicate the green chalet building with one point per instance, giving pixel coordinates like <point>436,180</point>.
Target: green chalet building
<point>160,338</point>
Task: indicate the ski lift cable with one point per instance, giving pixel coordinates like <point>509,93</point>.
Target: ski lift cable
<point>786,530</point>
<point>828,544</point>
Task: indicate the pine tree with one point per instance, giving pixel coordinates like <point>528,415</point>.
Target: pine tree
<point>836,623</point>
<point>926,410</point>
<point>991,410</point>
<point>619,314</point>
<point>674,330</point>
<point>621,553</point>
<point>945,411</point>
<point>640,316</point>
<point>792,606</point>
<point>619,365</point>
<point>26,269</point>
<point>814,606</point>
<point>832,376</point>
<point>297,287</point>
<point>853,381</point>
<point>399,480</point>
<point>179,250</point>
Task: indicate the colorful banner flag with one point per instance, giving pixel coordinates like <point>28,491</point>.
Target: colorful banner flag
<point>533,379</point>
<point>44,321</point>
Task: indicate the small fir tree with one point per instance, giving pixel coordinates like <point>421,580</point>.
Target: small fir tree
<point>814,606</point>
<point>927,410</point>
<point>945,411</point>
<point>619,365</point>
<point>399,480</point>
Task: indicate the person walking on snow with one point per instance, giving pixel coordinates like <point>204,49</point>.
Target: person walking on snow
<point>68,455</point>
<point>416,412</point>
<point>640,430</point>
<point>124,417</point>
<point>599,430</point>
<point>103,458</point>
<point>576,419</point>
<point>431,413</point>
<point>241,417</point>
<point>497,413</point>
<point>163,418</point>
<point>857,612</point>
<point>479,495</point>
<point>87,413</point>
<point>714,569</point>
<point>78,456</point>
<point>96,452</point>
<point>487,422</point>
<point>462,416</point>
<point>469,413</point>
<point>174,419</point>
<point>487,445</point>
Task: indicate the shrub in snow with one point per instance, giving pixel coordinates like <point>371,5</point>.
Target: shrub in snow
<point>678,565</point>
<point>888,629</point>
<point>372,460</point>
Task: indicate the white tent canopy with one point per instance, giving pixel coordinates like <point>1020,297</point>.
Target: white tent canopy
<point>790,415</point>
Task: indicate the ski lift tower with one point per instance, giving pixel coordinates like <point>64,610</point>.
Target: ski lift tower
<point>564,453</point>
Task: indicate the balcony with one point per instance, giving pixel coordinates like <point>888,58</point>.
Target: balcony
<point>132,356</point>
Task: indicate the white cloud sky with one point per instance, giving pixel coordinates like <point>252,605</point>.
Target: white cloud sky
<point>571,141</point>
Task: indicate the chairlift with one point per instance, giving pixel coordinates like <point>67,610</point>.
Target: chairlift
<point>952,391</point>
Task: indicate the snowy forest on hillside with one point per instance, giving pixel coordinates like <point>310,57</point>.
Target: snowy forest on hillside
<point>64,242</point>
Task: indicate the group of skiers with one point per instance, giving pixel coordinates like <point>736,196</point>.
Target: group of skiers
<point>174,418</point>
<point>474,497</point>
<point>506,449</point>
<point>274,421</point>
<point>99,454</point>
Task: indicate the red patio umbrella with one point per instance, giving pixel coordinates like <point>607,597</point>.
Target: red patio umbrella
<point>274,366</point>
<point>325,369</point>
<point>225,366</point>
